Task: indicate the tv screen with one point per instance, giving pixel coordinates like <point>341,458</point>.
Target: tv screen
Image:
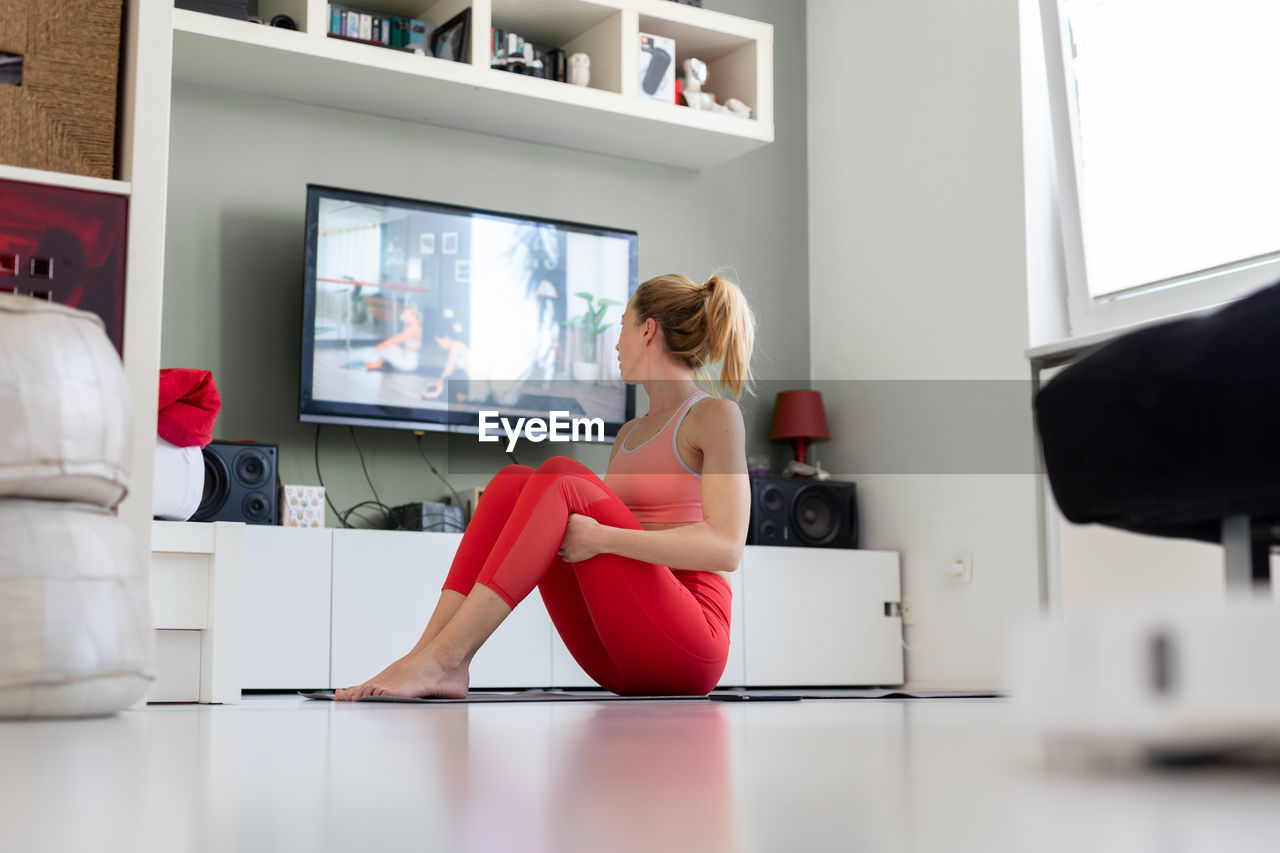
<point>423,315</point>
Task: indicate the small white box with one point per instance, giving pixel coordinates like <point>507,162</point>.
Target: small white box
<point>658,68</point>
<point>302,506</point>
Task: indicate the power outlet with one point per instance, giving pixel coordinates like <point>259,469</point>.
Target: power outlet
<point>907,609</point>
<point>960,567</point>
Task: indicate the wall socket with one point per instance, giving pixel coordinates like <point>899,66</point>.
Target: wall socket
<point>960,567</point>
<point>907,609</point>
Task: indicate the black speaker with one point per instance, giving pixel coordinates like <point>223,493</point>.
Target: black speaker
<point>239,483</point>
<point>803,513</point>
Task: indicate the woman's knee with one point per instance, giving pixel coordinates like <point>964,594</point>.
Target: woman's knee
<point>509,480</point>
<point>563,465</point>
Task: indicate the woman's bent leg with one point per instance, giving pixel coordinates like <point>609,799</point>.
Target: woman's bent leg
<point>650,633</point>
<point>487,521</point>
<point>631,625</point>
<point>491,515</point>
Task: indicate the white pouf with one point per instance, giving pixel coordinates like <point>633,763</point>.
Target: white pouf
<point>75,618</point>
<point>64,405</point>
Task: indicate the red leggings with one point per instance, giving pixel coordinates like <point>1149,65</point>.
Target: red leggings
<point>636,628</point>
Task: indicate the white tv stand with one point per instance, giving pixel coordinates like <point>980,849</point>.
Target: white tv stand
<point>330,608</point>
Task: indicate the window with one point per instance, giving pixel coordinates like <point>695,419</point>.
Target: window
<point>1165,118</point>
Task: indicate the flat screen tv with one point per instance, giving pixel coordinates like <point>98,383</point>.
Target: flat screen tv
<point>422,315</point>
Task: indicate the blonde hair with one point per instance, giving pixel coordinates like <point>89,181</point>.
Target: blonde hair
<point>702,324</point>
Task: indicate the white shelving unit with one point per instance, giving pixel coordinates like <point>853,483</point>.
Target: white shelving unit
<point>609,116</point>
<point>142,170</point>
<point>62,179</point>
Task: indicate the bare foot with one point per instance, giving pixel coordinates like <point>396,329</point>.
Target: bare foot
<point>375,364</point>
<point>416,675</point>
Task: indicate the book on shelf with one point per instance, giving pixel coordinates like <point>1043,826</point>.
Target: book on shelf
<point>394,31</point>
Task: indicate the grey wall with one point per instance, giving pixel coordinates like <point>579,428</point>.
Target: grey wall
<point>234,249</point>
<point>919,309</point>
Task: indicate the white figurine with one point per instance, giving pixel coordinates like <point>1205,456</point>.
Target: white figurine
<point>579,69</point>
<point>695,74</point>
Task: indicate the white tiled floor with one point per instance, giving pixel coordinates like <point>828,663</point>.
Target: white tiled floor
<point>284,773</point>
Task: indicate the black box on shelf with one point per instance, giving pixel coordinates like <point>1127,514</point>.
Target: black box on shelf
<point>238,9</point>
<point>430,517</point>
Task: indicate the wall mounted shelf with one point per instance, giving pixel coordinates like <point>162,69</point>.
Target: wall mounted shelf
<point>609,117</point>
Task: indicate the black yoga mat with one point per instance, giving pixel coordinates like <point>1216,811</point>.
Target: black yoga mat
<point>715,696</point>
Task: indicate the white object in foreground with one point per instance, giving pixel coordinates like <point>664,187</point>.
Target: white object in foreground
<point>75,623</point>
<point>65,411</point>
<point>1127,683</point>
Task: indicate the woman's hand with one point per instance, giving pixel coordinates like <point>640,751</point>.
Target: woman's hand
<point>582,539</point>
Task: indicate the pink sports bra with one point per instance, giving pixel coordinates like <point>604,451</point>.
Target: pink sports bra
<point>652,479</point>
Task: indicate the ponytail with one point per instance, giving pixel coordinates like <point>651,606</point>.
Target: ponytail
<point>703,325</point>
<point>730,334</point>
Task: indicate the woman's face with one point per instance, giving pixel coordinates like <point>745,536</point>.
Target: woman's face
<point>630,343</point>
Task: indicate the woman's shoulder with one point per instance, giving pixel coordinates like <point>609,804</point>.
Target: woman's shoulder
<point>715,416</point>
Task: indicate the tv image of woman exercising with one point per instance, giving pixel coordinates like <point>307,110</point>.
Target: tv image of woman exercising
<point>420,308</point>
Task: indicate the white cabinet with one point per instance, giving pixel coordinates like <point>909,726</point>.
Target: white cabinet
<point>385,585</point>
<point>817,616</point>
<point>801,617</point>
<point>196,597</point>
<point>608,116</point>
<point>286,614</point>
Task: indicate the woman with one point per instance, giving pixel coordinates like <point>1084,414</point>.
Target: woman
<point>402,350</point>
<point>456,363</point>
<point>631,569</point>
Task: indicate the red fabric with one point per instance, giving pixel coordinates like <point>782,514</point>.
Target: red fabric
<point>636,628</point>
<point>189,404</point>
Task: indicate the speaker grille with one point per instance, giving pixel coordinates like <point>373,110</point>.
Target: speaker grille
<point>251,467</point>
<point>239,483</point>
<point>217,486</point>
<point>256,507</point>
<point>803,513</point>
<point>815,517</point>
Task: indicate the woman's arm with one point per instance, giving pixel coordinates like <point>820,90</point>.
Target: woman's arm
<point>450,362</point>
<point>716,542</point>
<point>401,337</point>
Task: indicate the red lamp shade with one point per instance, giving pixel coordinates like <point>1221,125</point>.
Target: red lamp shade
<point>799,416</point>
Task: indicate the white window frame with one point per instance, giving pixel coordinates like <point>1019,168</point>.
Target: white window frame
<point>1191,293</point>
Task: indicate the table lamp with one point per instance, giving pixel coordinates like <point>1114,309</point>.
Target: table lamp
<point>799,416</point>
